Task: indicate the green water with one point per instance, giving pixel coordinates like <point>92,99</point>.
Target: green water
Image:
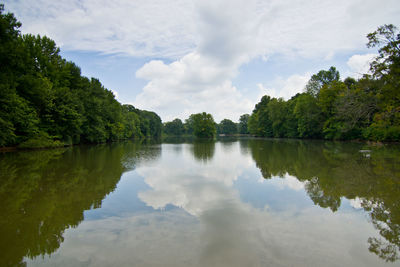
<point>234,202</point>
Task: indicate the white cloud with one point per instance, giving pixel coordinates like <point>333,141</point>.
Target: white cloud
<point>359,64</point>
<point>192,84</point>
<point>288,181</point>
<point>285,88</point>
<point>194,186</point>
<point>356,203</point>
<point>138,28</point>
<point>173,28</point>
<point>115,93</point>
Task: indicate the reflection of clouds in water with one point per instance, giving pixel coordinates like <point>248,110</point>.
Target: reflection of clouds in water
<point>235,234</point>
<point>148,239</point>
<point>207,192</point>
<point>190,185</point>
<point>215,227</point>
<point>287,181</point>
<point>356,203</point>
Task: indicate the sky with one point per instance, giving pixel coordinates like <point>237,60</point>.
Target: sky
<point>179,57</point>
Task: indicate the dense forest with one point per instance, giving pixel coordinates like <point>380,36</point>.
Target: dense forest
<point>45,101</point>
<point>329,108</point>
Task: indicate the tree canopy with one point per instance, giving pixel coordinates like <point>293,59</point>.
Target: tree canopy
<point>174,128</point>
<point>227,126</point>
<point>203,125</point>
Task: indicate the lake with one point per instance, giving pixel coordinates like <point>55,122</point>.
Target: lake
<point>232,202</point>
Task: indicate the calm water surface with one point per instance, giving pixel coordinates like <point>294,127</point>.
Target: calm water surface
<point>240,202</point>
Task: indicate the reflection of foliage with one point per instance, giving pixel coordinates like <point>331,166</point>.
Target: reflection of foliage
<point>385,250</point>
<point>43,193</point>
<point>203,150</point>
<point>334,170</point>
<point>177,140</point>
<point>317,195</point>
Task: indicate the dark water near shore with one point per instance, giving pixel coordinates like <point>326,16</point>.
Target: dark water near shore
<point>234,202</point>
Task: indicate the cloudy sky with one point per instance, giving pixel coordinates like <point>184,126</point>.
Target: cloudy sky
<point>178,57</point>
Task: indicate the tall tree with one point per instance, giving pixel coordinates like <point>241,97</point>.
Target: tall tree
<point>320,79</point>
<point>227,126</point>
<point>203,125</point>
<point>174,127</point>
<point>386,68</point>
<point>243,122</point>
<point>309,116</point>
<point>259,121</point>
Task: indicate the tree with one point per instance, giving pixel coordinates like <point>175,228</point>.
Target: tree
<point>386,68</point>
<point>387,38</point>
<point>277,113</point>
<point>353,111</point>
<point>243,122</point>
<point>131,122</point>
<point>174,127</point>
<point>203,125</point>
<point>259,122</point>
<point>291,120</point>
<point>308,115</point>
<point>320,79</point>
<point>227,126</point>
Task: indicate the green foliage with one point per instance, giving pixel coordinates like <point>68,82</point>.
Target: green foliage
<point>227,126</point>
<point>308,115</point>
<point>387,38</point>
<point>320,79</point>
<point>41,140</point>
<point>243,122</point>
<point>174,128</point>
<point>259,122</point>
<point>277,113</point>
<point>291,121</point>
<point>188,125</point>
<point>203,125</point>
<point>386,69</point>
<point>40,92</point>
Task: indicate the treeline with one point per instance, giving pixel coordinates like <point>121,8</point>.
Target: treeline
<point>45,101</point>
<point>368,108</point>
<point>203,125</point>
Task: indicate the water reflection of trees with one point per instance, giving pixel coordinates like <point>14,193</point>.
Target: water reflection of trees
<point>335,170</point>
<point>203,150</point>
<point>43,193</point>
